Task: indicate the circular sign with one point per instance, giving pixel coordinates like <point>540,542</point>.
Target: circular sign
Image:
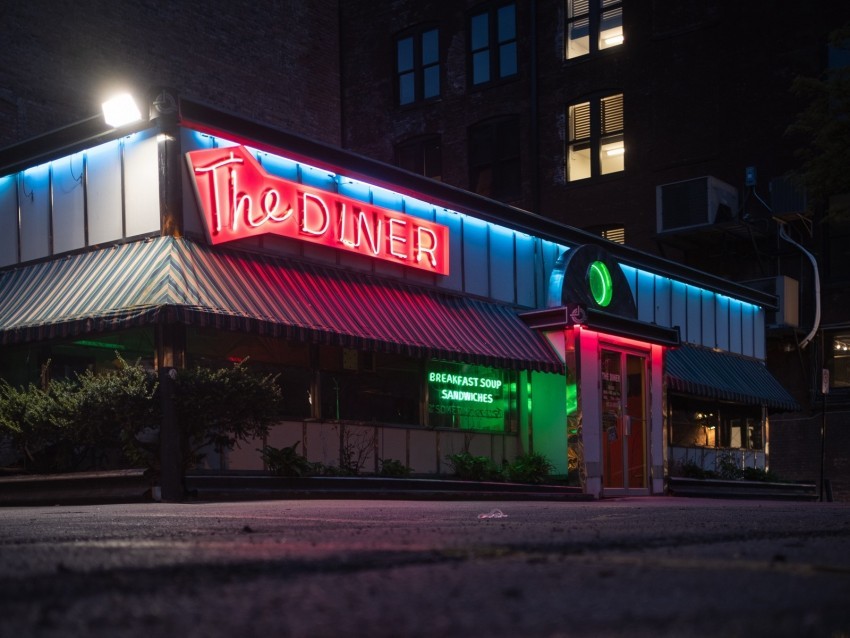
<point>599,280</point>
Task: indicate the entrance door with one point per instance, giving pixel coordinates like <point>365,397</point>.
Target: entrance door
<point>624,424</point>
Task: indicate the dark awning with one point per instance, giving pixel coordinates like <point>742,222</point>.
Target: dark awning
<point>724,376</point>
<point>168,279</point>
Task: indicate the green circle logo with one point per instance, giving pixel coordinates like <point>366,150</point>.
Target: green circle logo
<point>601,287</point>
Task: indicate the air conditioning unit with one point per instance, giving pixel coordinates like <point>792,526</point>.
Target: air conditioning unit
<point>694,203</point>
<point>787,291</point>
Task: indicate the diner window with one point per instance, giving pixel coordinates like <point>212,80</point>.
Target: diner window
<point>421,155</point>
<point>596,141</point>
<point>418,66</point>
<point>494,158</point>
<point>838,361</point>
<point>593,25</point>
<point>493,44</point>
<point>708,424</point>
<point>369,387</point>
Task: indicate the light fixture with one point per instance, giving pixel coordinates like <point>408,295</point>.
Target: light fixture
<point>614,40</point>
<point>618,150</point>
<point>121,110</point>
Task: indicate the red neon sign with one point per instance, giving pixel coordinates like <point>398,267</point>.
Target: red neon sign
<point>239,199</point>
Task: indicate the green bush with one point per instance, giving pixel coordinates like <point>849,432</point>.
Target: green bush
<point>286,461</point>
<point>392,468</point>
<point>467,467</point>
<point>529,468</point>
<point>759,474</point>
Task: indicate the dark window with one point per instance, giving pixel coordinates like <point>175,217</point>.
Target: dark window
<point>494,158</point>
<point>493,44</point>
<point>421,155</point>
<point>697,423</point>
<point>596,142</point>
<point>838,360</point>
<point>593,25</point>
<point>418,66</point>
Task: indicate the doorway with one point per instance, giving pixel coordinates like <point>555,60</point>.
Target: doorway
<point>624,421</point>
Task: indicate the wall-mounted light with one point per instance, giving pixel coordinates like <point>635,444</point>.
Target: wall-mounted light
<point>614,40</point>
<point>617,150</point>
<point>121,110</point>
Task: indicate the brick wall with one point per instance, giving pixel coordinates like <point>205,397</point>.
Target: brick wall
<point>275,62</point>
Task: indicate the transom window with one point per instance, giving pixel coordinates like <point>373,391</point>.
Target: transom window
<point>493,44</point>
<point>418,66</point>
<point>593,25</point>
<point>494,158</point>
<point>596,143</point>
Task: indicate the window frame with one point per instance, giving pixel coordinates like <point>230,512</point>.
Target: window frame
<point>420,146</point>
<point>593,17</point>
<point>419,66</point>
<point>494,45</point>
<point>598,135</point>
<point>498,161</point>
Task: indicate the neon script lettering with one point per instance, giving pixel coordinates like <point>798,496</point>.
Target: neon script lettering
<point>239,199</point>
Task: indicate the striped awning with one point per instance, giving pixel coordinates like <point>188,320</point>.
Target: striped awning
<point>177,280</point>
<point>727,377</point>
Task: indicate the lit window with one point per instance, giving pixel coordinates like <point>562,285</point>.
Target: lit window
<point>421,155</point>
<point>494,158</point>
<point>593,25</point>
<point>838,361</point>
<point>611,232</point>
<point>596,143</point>
<point>418,66</point>
<point>493,44</point>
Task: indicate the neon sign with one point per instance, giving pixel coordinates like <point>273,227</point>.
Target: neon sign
<point>239,199</point>
<point>468,396</point>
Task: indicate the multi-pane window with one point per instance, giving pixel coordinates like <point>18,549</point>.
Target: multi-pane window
<point>593,25</point>
<point>493,44</point>
<point>494,158</point>
<point>418,66</point>
<point>421,155</point>
<point>596,143</point>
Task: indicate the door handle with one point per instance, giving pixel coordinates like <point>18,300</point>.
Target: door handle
<point>627,424</point>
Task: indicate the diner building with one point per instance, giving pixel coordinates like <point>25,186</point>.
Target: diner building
<point>406,319</point>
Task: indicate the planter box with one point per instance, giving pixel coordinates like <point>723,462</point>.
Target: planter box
<point>718,488</point>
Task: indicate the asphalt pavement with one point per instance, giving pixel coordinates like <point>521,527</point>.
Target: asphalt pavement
<point>655,566</point>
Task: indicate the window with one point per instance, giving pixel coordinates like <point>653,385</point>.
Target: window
<point>697,423</point>
<point>593,25</point>
<point>494,162</point>
<point>418,66</point>
<point>421,155</point>
<point>493,44</point>
<point>611,232</point>
<point>596,143</point>
<point>838,361</point>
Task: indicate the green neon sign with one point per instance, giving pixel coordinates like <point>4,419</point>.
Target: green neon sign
<point>601,286</point>
<point>468,396</point>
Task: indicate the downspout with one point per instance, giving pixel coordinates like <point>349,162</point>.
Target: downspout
<point>535,125</point>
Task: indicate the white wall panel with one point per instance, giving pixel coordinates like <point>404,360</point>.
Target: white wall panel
<point>709,337</point>
<point>759,338</point>
<point>34,198</point>
<point>475,257</point>
<point>663,312</point>
<point>502,264</point>
<point>645,297</point>
<point>693,329</point>
<point>454,280</point>
<point>69,224</point>
<point>525,289</point>
<point>721,325</point>
<point>8,220</point>
<point>679,309</point>
<point>141,184</point>
<point>103,193</point>
<point>735,319</point>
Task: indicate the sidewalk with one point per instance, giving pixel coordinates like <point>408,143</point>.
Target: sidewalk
<point>129,486</point>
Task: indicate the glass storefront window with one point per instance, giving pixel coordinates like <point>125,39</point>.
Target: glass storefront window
<point>715,425</point>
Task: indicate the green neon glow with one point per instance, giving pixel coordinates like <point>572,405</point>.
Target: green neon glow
<point>601,286</point>
<point>572,399</point>
<point>98,344</point>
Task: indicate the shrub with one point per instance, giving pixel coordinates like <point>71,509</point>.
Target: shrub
<point>286,461</point>
<point>467,467</point>
<point>392,468</point>
<point>759,474</point>
<point>529,468</point>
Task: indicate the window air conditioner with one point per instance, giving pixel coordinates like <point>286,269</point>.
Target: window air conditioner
<point>694,203</point>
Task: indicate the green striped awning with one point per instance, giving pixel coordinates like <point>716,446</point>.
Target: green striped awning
<point>177,280</point>
<point>726,377</point>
